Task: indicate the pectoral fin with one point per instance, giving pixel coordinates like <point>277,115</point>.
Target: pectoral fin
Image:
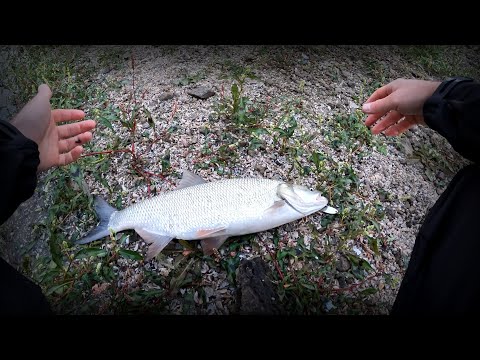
<point>157,241</point>
<point>209,244</point>
<point>189,179</point>
<point>276,206</point>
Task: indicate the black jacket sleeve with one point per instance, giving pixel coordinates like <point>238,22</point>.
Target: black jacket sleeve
<point>19,160</point>
<point>454,112</point>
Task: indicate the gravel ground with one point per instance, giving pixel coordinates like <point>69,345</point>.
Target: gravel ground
<point>328,80</point>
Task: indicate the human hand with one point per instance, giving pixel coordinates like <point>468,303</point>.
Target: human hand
<point>398,105</point>
<point>58,144</point>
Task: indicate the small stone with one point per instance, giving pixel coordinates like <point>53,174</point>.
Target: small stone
<point>260,168</point>
<point>352,105</point>
<point>269,82</point>
<point>209,292</point>
<point>407,146</point>
<point>343,264</point>
<point>341,282</point>
<point>201,93</point>
<point>390,213</point>
<point>166,96</point>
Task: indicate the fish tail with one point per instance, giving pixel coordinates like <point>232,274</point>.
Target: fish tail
<point>103,211</point>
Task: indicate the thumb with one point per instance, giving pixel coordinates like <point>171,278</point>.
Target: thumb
<point>33,119</point>
<point>44,91</point>
<point>379,106</point>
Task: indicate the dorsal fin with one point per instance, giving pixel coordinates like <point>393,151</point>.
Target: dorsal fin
<point>189,179</point>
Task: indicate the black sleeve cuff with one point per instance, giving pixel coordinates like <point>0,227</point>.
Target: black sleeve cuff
<point>19,158</point>
<point>437,111</point>
<point>453,111</point>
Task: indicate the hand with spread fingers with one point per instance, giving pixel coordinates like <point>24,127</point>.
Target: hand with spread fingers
<point>58,144</point>
<point>397,106</point>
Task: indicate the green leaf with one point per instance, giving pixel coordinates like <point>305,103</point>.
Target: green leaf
<point>88,252</point>
<point>118,201</point>
<point>255,144</point>
<point>123,239</point>
<point>281,131</point>
<point>106,122</point>
<point>57,289</point>
<point>382,149</point>
<point>151,122</point>
<point>376,224</point>
<point>172,129</point>
<point>308,286</point>
<point>283,253</point>
<point>373,243</point>
<point>316,159</point>
<point>260,131</point>
<point>430,175</point>
<point>365,265</point>
<point>276,237</point>
<point>130,254</point>
<point>166,161</point>
<point>368,291</point>
<point>55,250</point>
<point>235,91</point>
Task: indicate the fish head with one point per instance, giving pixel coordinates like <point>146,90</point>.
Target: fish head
<point>303,199</point>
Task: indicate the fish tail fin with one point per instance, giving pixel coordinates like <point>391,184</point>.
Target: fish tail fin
<point>103,211</point>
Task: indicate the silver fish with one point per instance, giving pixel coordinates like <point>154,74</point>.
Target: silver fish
<point>209,211</point>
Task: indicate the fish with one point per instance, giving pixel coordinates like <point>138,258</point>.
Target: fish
<point>209,211</point>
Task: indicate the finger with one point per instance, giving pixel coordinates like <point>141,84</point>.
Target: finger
<point>69,130</point>
<point>380,93</point>
<point>392,118</point>
<point>71,156</point>
<point>372,118</point>
<point>60,115</point>
<point>401,127</point>
<point>381,106</point>
<point>66,145</point>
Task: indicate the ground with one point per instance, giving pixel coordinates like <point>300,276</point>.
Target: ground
<point>281,112</point>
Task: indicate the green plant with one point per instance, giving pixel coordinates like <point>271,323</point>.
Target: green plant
<point>239,109</point>
<point>193,78</point>
<point>442,61</point>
